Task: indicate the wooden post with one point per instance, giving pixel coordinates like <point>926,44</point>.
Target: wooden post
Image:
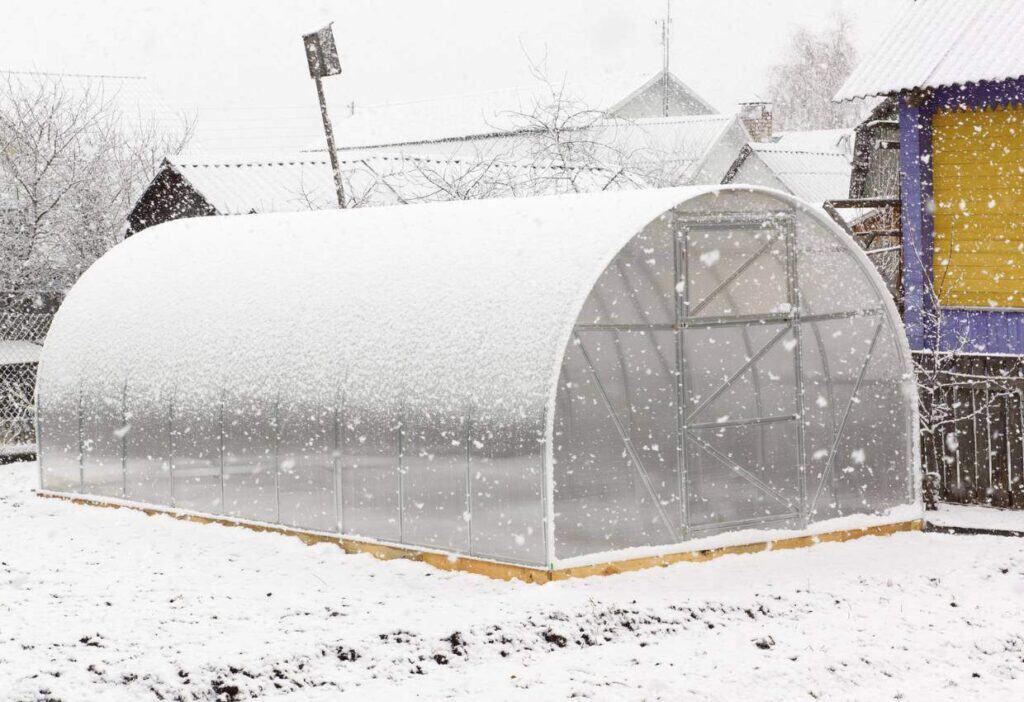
<point>339,186</point>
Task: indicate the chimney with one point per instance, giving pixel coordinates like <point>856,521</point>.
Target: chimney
<point>757,118</point>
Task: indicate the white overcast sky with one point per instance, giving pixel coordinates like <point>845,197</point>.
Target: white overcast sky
<point>246,55</point>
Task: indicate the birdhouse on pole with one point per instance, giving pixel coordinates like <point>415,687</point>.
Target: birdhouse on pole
<point>322,57</point>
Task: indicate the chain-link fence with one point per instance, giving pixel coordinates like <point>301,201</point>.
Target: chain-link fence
<point>24,321</point>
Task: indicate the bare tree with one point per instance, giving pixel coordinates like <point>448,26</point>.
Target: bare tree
<point>71,166</point>
<point>802,85</point>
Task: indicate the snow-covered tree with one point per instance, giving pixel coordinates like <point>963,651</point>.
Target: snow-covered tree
<point>71,166</point>
<point>802,85</point>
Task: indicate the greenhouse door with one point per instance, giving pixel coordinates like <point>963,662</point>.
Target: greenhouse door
<point>738,342</point>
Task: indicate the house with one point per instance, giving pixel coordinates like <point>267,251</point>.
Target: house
<point>445,126</point>
<point>198,187</point>
<point>813,173</point>
<point>677,150</point>
<point>954,74</point>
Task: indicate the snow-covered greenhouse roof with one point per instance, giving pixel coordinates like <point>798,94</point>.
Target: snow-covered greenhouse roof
<point>932,43</point>
<point>466,300</point>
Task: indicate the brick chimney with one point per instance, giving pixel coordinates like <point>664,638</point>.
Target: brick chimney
<point>757,118</point>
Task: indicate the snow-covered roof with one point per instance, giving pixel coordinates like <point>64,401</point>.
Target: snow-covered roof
<point>245,185</point>
<point>483,113</point>
<point>18,351</point>
<point>426,305</point>
<point>132,99</point>
<point>813,176</point>
<point>932,43</point>
<point>816,140</point>
<point>683,141</point>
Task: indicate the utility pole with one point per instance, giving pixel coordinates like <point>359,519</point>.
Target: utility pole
<point>322,57</point>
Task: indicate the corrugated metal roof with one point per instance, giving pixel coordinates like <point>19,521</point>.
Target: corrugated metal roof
<point>943,42</point>
<point>815,140</point>
<point>813,176</point>
<point>132,99</point>
<point>477,114</point>
<point>676,146</point>
<point>244,187</point>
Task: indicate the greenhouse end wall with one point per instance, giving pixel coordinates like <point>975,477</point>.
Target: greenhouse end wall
<point>781,346</point>
<point>549,380</point>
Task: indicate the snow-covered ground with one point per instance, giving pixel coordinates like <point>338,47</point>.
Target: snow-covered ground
<point>105,604</point>
<point>975,517</point>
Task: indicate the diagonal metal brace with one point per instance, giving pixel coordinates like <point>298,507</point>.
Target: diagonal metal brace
<point>732,276</point>
<point>743,369</point>
<point>630,449</point>
<point>830,463</point>
<point>741,471</point>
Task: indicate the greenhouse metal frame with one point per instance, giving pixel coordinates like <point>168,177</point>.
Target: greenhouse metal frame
<point>688,330</point>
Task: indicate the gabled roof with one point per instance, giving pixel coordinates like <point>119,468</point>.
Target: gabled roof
<point>249,183</point>
<point>932,43</point>
<point>813,176</point>
<point>132,99</point>
<point>306,182</point>
<point>493,112</point>
<point>815,140</point>
<point>674,82</point>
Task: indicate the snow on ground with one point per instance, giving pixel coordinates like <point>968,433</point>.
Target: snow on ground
<point>976,517</point>
<point>115,605</point>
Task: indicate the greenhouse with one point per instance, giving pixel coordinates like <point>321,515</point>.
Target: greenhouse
<point>549,382</point>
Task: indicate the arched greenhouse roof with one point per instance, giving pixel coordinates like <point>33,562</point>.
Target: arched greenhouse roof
<point>437,304</point>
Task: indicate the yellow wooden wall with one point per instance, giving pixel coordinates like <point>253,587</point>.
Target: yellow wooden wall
<point>978,166</point>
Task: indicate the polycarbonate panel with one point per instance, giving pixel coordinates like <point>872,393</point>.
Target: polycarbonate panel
<point>250,456</point>
<point>370,478</point>
<point>435,464</point>
<point>196,450</point>
<point>602,499</point>
<point>103,430</point>
<point>735,271</point>
<point>637,287</point>
<point>742,475</point>
<point>308,451</point>
<point>60,468</point>
<point>148,444</point>
<point>742,450</point>
<point>821,262</point>
<point>506,468</point>
<point>868,454</point>
<point>715,355</point>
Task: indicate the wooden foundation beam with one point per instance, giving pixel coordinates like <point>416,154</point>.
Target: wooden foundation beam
<point>505,571</point>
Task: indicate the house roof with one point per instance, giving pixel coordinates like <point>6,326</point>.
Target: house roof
<point>813,176</point>
<point>19,351</point>
<point>483,113</point>
<point>305,182</point>
<point>246,183</point>
<point>932,43</point>
<point>131,98</point>
<point>816,140</point>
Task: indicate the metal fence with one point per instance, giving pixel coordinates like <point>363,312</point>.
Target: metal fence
<point>20,335</point>
<point>973,441</point>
